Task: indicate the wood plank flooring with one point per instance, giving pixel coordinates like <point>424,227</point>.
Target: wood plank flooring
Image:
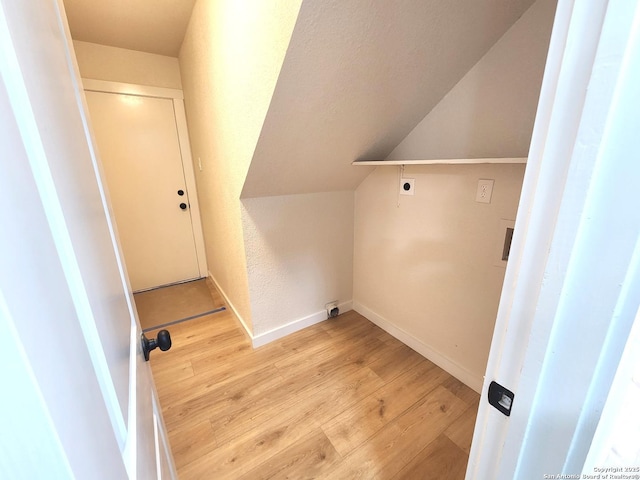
<point>169,304</point>
<point>339,400</point>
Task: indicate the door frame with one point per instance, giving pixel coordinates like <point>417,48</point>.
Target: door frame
<point>177,97</point>
<point>571,291</point>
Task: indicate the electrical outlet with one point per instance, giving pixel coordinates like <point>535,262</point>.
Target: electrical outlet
<point>485,189</point>
<point>407,186</point>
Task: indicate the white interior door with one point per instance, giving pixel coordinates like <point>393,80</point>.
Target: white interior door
<point>82,399</point>
<point>139,148</point>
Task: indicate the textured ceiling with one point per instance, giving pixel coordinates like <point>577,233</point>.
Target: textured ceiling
<point>154,26</point>
<point>358,76</point>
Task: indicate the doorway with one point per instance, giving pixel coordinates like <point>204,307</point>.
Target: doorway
<point>149,174</point>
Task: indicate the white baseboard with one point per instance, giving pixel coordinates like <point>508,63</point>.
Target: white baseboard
<point>448,365</point>
<point>282,331</point>
<point>291,327</point>
<point>231,306</point>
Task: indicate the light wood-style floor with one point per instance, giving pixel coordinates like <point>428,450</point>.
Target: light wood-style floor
<point>340,400</point>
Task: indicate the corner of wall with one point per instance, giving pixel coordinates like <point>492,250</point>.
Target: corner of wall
<point>233,308</point>
<point>436,251</point>
<point>299,258</point>
<point>296,325</point>
<point>229,63</point>
<point>471,379</point>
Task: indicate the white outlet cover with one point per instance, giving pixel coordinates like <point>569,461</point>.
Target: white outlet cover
<point>485,189</point>
<point>407,186</point>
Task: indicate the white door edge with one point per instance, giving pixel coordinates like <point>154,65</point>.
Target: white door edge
<point>28,415</point>
<point>163,441</point>
<point>63,271</point>
<point>575,104</point>
<point>19,97</point>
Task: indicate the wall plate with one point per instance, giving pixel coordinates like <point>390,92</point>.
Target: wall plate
<point>485,189</point>
<point>407,186</point>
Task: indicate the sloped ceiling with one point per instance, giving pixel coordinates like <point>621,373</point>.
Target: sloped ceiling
<point>491,111</point>
<point>358,76</point>
<point>153,26</point>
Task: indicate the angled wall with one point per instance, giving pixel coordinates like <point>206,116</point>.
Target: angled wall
<point>230,61</point>
<point>283,138</point>
<point>438,251</point>
<point>490,112</point>
<point>113,64</point>
<point>358,76</point>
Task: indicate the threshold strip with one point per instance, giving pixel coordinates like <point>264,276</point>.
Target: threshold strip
<point>192,317</point>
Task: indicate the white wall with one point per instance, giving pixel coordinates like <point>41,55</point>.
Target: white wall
<point>299,257</point>
<point>100,62</point>
<point>426,269</point>
<point>230,60</point>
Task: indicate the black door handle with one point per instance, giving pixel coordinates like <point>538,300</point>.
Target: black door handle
<point>163,341</point>
<point>183,206</point>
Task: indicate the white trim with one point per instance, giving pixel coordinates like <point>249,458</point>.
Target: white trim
<point>20,99</point>
<point>130,450</point>
<point>296,325</point>
<point>156,440</point>
<point>444,362</point>
<point>130,89</point>
<point>281,331</point>
<point>190,181</point>
<point>615,440</point>
<point>162,430</point>
<point>440,161</point>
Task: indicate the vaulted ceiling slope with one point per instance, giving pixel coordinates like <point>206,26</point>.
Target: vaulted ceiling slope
<point>153,26</point>
<point>357,78</point>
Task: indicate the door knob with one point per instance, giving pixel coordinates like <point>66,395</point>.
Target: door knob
<point>163,341</point>
<point>183,206</point>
